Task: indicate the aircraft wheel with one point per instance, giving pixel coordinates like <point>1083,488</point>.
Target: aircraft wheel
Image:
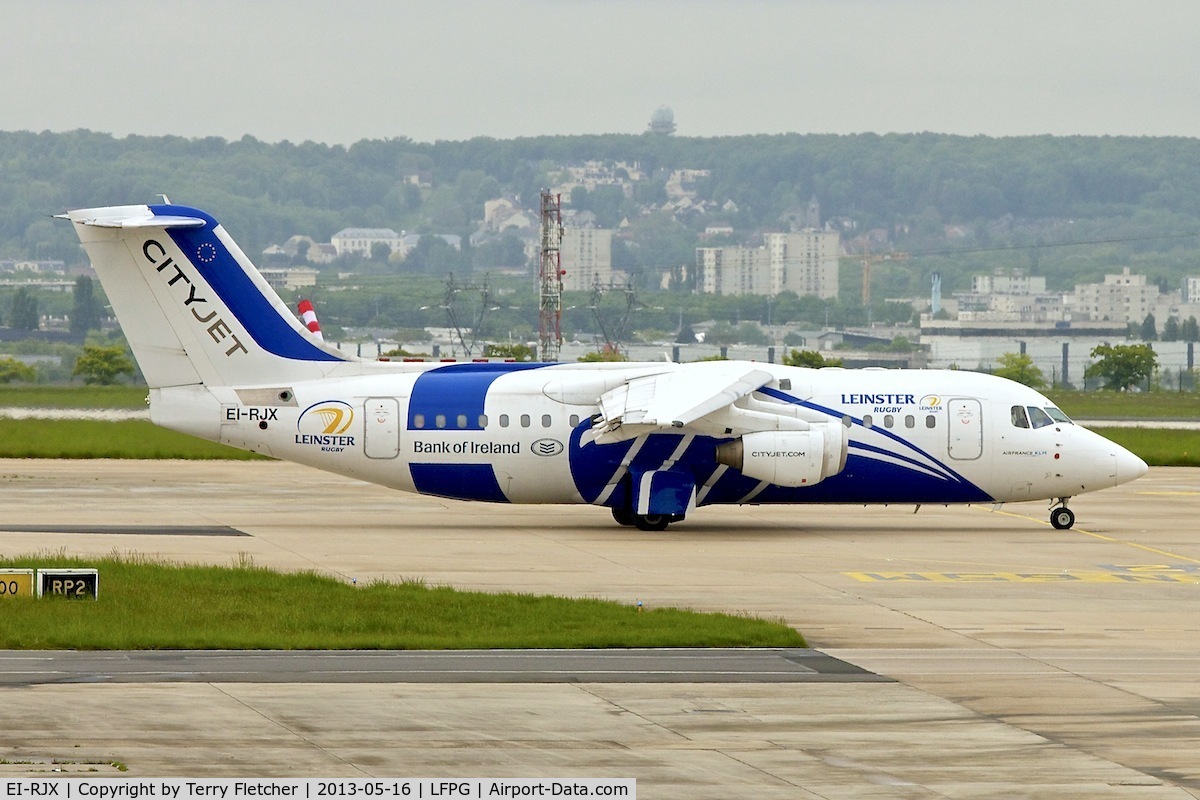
<point>1062,518</point>
<point>623,516</point>
<point>652,522</point>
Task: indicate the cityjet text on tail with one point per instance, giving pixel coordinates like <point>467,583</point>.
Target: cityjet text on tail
<point>227,360</point>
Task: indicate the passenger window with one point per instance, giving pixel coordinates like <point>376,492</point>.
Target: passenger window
<point>866,420</point>
<point>418,420</point>
<point>1039,418</point>
<point>440,420</point>
<point>574,420</point>
<point>888,421</point>
<point>483,420</point>
<point>847,421</point>
<point>910,421</point>
<point>504,420</point>
<point>462,421</point>
<point>524,420</point>
<point>930,421</point>
<point>545,420</point>
<point>1018,417</point>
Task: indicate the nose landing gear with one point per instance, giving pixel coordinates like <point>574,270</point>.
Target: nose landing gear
<point>1062,517</point>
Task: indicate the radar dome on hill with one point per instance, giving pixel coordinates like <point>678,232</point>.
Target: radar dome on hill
<point>662,120</point>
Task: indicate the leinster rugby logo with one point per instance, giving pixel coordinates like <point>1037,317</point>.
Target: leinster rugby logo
<point>325,424</point>
<point>931,402</point>
<point>546,447</point>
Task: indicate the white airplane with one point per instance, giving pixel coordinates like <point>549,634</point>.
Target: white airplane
<point>226,360</point>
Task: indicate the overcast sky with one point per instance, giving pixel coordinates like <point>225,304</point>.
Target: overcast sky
<point>338,72</point>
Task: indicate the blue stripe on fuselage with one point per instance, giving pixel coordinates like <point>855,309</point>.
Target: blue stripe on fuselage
<point>458,481</point>
<point>837,415</point>
<point>594,465</point>
<point>869,477</point>
<point>871,480</point>
<point>457,390</point>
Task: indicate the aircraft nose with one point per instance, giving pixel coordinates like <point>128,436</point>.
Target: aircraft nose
<point>1129,466</point>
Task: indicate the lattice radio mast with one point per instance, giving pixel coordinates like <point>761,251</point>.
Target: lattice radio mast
<point>478,313</point>
<point>550,279</point>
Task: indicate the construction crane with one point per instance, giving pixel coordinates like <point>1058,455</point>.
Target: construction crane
<point>550,275</point>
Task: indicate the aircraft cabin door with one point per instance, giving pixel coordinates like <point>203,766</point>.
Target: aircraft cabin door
<point>381,427</point>
<point>966,429</point>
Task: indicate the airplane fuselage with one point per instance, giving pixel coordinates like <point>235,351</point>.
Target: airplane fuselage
<point>518,433</point>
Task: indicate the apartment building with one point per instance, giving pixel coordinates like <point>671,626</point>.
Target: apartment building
<point>586,256</point>
<point>1121,298</point>
<point>805,262</point>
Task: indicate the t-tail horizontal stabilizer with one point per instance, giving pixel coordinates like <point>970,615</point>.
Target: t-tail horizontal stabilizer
<point>192,306</point>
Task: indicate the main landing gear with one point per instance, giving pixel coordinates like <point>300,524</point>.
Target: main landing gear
<point>644,522</point>
<point>1062,517</point>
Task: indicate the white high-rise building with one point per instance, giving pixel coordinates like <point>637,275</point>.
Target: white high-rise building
<point>805,262</point>
<point>586,256</point>
<point>1191,289</point>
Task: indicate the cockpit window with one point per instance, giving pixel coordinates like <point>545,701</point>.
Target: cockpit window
<point>1019,419</point>
<point>1039,418</point>
<point>1058,416</point>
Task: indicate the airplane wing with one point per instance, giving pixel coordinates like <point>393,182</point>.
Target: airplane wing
<point>674,399</point>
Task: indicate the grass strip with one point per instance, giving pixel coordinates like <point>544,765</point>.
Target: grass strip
<point>1158,447</point>
<point>85,438</point>
<point>1127,405</point>
<point>149,605</point>
<point>73,396</point>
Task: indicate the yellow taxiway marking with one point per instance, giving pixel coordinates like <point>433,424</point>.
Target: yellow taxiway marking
<point>1103,538</point>
<point>1145,573</point>
<point>1115,573</point>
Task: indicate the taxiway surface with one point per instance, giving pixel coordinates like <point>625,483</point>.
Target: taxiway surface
<point>1024,661</point>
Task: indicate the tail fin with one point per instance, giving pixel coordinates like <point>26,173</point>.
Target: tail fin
<point>193,307</point>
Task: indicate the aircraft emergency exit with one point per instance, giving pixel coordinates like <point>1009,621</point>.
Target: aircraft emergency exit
<point>227,360</point>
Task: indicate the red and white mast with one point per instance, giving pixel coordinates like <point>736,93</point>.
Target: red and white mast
<point>550,277</point>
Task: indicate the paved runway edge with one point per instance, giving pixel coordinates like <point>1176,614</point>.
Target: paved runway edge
<point>128,530</point>
<point>692,665</point>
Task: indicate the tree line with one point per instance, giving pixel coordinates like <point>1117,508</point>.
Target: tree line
<point>1140,194</point>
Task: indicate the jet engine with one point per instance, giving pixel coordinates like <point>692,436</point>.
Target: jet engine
<point>788,458</point>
